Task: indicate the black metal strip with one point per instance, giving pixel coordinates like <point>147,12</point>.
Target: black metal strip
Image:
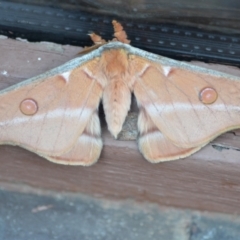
<point>39,23</point>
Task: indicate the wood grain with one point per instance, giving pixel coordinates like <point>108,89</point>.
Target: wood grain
<point>207,180</point>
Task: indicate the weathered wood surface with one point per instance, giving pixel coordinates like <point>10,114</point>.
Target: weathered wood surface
<point>207,180</point>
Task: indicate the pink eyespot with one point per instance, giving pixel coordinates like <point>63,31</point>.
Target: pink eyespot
<point>208,95</point>
<point>28,106</point>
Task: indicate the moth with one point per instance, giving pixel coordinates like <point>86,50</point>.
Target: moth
<point>181,107</point>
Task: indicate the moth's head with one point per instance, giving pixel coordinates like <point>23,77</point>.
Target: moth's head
<point>119,34</point>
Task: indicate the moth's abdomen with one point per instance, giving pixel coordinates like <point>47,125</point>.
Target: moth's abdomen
<point>116,103</point>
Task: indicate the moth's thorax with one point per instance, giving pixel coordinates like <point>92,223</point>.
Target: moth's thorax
<point>115,63</point>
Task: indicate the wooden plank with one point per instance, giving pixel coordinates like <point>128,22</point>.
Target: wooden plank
<point>207,180</point>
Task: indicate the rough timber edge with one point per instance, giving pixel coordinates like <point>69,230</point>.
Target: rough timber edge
<point>118,45</point>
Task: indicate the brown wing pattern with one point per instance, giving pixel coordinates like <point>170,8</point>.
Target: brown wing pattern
<point>181,108</point>
<point>87,148</point>
<point>154,146</point>
<point>65,104</point>
<point>171,96</point>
